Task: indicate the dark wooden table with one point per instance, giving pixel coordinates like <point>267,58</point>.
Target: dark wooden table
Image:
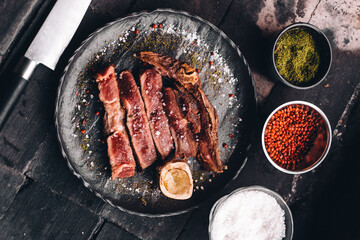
<point>41,199</point>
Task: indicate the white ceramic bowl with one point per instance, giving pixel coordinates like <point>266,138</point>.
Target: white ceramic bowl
<point>319,156</point>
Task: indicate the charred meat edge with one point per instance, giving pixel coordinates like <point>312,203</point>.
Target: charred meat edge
<point>151,91</point>
<point>136,121</point>
<point>186,76</point>
<point>119,151</point>
<point>185,145</point>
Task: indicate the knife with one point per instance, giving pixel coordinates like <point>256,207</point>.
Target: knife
<point>46,48</point>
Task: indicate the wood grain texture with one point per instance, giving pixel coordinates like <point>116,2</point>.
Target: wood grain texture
<point>39,213</point>
<point>145,227</point>
<point>211,10</point>
<point>30,121</point>
<point>50,168</point>
<point>14,18</point>
<point>10,183</point>
<point>111,232</point>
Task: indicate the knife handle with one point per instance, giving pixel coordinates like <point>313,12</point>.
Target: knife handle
<point>11,89</point>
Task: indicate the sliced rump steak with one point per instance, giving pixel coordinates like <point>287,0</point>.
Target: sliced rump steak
<point>119,151</point>
<point>151,91</point>
<point>136,122</point>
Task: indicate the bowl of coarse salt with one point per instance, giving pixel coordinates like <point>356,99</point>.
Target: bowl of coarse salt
<point>255,213</point>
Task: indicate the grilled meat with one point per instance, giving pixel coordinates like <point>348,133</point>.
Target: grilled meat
<point>190,109</point>
<point>121,157</point>
<point>172,68</point>
<point>186,78</point>
<point>185,145</point>
<point>109,96</point>
<point>119,151</point>
<point>151,86</point>
<point>136,122</point>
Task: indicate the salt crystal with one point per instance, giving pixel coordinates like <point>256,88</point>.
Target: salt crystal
<point>157,133</point>
<point>249,215</point>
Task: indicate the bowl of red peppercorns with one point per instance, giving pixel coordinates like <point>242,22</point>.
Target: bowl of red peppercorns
<point>296,137</point>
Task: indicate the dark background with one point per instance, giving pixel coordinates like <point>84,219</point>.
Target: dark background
<point>41,199</point>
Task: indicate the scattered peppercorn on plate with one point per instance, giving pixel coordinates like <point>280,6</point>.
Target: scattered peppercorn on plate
<point>226,81</point>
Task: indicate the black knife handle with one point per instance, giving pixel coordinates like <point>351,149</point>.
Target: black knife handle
<point>12,88</point>
<point>10,92</point>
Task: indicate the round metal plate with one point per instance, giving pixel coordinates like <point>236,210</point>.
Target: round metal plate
<point>79,113</point>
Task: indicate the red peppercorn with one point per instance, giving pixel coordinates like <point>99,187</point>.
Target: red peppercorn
<point>136,31</point>
<point>154,26</point>
<point>198,70</point>
<point>82,131</point>
<point>97,113</point>
<point>225,145</point>
<point>211,62</point>
<point>160,25</point>
<point>289,135</point>
<point>231,95</point>
<point>231,136</point>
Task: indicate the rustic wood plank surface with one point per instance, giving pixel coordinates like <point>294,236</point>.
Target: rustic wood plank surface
<point>41,199</point>
<point>15,17</point>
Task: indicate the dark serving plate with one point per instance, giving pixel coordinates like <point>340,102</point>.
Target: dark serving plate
<point>79,113</point>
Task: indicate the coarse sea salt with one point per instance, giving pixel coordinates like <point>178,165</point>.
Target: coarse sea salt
<point>249,214</point>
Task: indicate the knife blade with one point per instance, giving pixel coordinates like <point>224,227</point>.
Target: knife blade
<point>46,48</point>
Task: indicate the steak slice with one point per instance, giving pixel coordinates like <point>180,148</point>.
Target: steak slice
<point>186,76</point>
<point>151,86</point>
<point>119,151</point>
<point>121,157</point>
<point>189,107</point>
<point>109,96</point>
<point>136,122</point>
<point>185,145</point>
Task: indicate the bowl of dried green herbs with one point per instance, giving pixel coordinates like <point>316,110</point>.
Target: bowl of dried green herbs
<point>301,56</point>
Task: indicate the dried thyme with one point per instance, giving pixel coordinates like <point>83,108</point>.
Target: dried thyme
<point>296,57</point>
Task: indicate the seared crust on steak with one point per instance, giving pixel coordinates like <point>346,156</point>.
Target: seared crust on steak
<point>151,91</point>
<point>136,121</point>
<point>186,78</point>
<point>185,145</point>
<point>119,151</point>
